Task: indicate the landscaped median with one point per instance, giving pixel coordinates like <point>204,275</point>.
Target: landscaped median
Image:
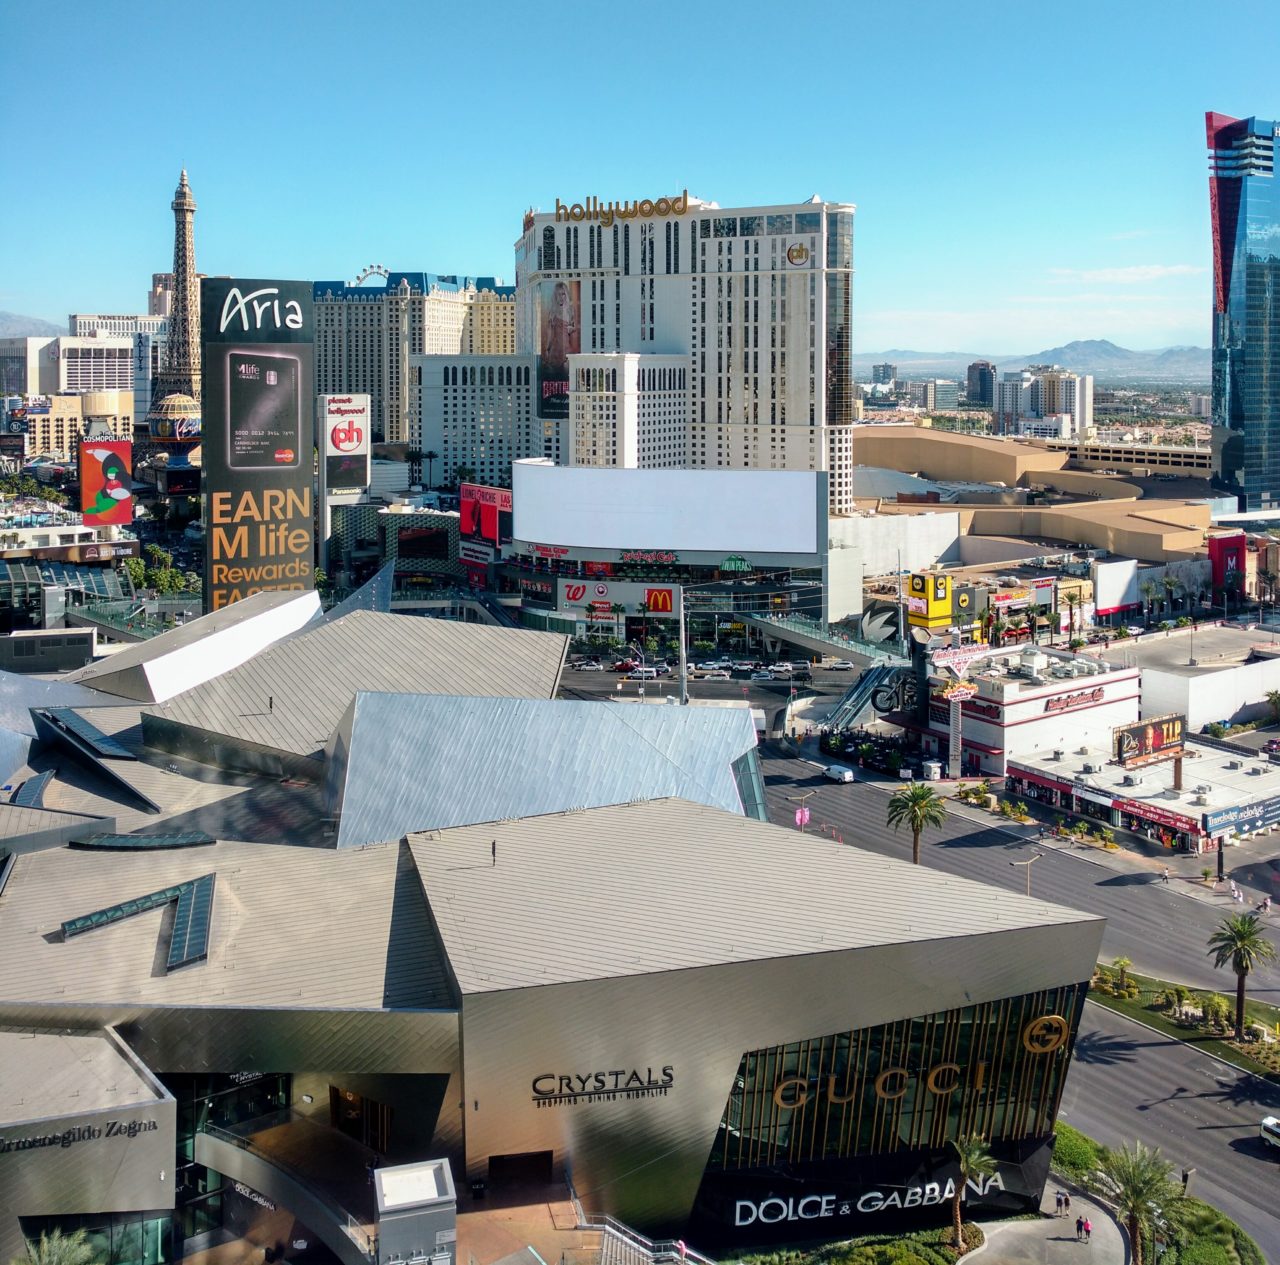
<point>1201,1018</point>
<point>1185,1232</point>
<point>922,1247</point>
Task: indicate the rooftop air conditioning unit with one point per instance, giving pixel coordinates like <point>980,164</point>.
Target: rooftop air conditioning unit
<point>1057,754</point>
<point>1202,790</point>
<point>1131,779</point>
<point>1201,800</point>
<point>1256,770</point>
<point>1234,764</point>
<point>1082,751</point>
<point>1088,768</point>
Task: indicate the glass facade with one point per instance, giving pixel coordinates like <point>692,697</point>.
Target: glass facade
<point>224,1101</point>
<point>839,281</point>
<point>997,1068</point>
<point>120,1238</point>
<point>1245,207</point>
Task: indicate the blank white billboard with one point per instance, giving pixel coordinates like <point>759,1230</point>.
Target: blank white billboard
<point>683,511</point>
<point>1115,585</point>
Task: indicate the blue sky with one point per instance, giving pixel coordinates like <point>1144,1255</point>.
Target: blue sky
<point>1025,174</point>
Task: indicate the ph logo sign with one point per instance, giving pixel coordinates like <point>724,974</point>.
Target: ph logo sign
<point>346,437</point>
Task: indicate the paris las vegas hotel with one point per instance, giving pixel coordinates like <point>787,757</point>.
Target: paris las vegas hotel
<point>666,332</point>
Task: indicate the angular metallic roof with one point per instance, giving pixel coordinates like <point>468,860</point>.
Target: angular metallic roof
<point>291,928</point>
<point>668,885</point>
<point>50,1074</point>
<point>143,672</point>
<point>416,762</point>
<point>291,696</point>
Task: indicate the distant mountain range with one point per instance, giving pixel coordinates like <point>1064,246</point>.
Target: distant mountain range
<point>14,326</point>
<point>1103,359</point>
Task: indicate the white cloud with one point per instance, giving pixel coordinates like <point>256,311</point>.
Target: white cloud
<point>1135,274</point>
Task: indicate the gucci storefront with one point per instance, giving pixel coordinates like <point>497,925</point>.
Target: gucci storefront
<point>848,1134</point>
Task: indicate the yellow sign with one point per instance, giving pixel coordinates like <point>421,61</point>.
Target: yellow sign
<point>934,592</point>
<point>606,212</point>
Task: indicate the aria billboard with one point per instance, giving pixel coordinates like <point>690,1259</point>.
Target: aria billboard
<point>343,422</point>
<point>106,483</point>
<point>559,337</point>
<point>259,437</point>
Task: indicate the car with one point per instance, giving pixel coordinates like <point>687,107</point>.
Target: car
<point>1135,630</point>
<point>838,773</point>
<point>1272,744</point>
<point>624,665</point>
<point>761,676</point>
<point>802,674</point>
<point>842,665</point>
<point>716,674</point>
<point>662,669</point>
<point>743,665</point>
<point>780,674</point>
<point>712,665</point>
<point>642,674</point>
<point>588,667</point>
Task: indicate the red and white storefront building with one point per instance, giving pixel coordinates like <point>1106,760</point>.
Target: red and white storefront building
<point>1027,701</point>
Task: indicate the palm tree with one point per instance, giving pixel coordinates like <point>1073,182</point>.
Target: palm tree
<point>1273,701</point>
<point>1142,1186</point>
<point>1073,604</point>
<point>1149,594</point>
<point>1239,943</point>
<point>1122,965</point>
<point>1171,585</point>
<point>432,457</point>
<point>974,1159</point>
<point>414,457</point>
<point>916,806</point>
<point>56,1248</point>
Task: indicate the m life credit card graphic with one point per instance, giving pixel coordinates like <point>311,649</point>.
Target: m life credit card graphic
<point>264,411</point>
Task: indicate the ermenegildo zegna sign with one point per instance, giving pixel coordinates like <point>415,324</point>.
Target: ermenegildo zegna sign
<point>258,437</point>
<point>125,1129</point>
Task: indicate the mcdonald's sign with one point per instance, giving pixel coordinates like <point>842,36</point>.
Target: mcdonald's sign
<point>659,601</point>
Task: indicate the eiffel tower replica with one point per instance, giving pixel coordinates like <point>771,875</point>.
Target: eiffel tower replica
<point>174,418</point>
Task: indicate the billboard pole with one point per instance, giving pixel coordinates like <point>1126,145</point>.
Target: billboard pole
<point>684,658</point>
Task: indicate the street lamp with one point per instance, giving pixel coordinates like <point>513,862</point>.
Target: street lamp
<point>802,813</point>
<point>1026,865</point>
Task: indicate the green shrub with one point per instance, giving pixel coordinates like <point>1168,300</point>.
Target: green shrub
<point>1074,1155</point>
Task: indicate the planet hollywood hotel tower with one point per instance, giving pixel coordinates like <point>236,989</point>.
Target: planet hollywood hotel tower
<point>737,321</point>
<point>1245,204</point>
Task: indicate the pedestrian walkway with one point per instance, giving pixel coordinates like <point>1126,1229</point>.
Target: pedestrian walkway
<point>1051,1240</point>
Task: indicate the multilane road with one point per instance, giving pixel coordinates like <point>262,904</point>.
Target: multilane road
<point>1126,1082</point>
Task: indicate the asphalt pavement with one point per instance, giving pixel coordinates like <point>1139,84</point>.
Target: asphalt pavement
<point>1127,1082</point>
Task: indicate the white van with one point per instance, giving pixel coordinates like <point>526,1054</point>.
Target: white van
<point>643,674</point>
<point>1269,1131</point>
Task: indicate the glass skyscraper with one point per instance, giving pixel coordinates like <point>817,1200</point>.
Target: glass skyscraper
<point>1245,205</point>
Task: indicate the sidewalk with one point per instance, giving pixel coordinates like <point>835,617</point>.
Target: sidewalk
<point>1052,1239</point>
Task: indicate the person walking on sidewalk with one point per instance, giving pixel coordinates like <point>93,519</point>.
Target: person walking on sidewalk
<point>1088,1229</point>
<point>1164,876</point>
<point>1059,1212</point>
<point>1066,1203</point>
<point>1079,1229</point>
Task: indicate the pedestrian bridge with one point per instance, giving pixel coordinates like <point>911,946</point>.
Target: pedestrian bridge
<point>822,639</point>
